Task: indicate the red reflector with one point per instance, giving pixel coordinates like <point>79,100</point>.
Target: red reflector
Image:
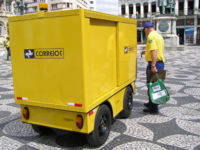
<point>19,98</point>
<point>25,113</point>
<point>91,112</point>
<point>79,121</point>
<point>78,105</point>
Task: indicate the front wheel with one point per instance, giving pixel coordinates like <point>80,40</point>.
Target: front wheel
<point>101,128</point>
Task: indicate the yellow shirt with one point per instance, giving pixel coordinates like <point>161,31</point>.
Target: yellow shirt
<point>7,44</point>
<point>155,42</point>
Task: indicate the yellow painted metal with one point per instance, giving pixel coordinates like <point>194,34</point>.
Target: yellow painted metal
<point>91,66</point>
<point>127,52</point>
<point>100,59</point>
<point>60,119</point>
<point>116,102</point>
<point>48,81</point>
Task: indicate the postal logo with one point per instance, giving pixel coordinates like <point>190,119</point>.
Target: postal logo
<point>44,53</point>
<point>29,53</point>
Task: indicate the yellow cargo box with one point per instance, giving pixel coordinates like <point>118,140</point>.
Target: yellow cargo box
<point>69,63</point>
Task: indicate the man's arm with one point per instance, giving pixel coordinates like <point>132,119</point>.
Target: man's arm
<point>154,59</point>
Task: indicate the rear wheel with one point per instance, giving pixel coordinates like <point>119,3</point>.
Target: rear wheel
<point>128,103</point>
<point>102,127</point>
<point>41,129</point>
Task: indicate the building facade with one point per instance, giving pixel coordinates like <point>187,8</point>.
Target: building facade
<point>7,8</point>
<point>186,11</point>
<point>54,5</point>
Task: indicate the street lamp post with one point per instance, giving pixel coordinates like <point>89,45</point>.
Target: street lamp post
<point>21,7</point>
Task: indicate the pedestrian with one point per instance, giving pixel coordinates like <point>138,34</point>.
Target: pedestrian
<point>154,55</point>
<point>7,45</point>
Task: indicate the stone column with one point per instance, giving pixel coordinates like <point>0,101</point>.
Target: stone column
<point>176,7</point>
<point>141,10</point>
<point>12,7</point>
<point>4,7</point>
<point>173,26</point>
<point>149,10</point>
<point>127,10</point>
<point>134,10</point>
<point>157,8</point>
<point>185,7</point>
<point>195,30</point>
<point>196,6</point>
<point>120,10</point>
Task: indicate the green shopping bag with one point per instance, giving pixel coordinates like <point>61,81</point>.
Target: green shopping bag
<point>158,92</point>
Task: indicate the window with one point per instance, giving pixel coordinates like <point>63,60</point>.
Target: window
<point>198,35</point>
<point>153,7</point>
<point>54,6</point>
<point>91,2</point>
<point>131,9</point>
<point>138,8</point>
<point>138,11</point>
<point>181,5</point>
<point>123,9</point>
<point>199,4</point>
<point>180,22</point>
<point>78,6</point>
<point>145,9</point>
<point>189,21</point>
<point>198,21</point>
<point>181,8</point>
<point>32,9</point>
<point>190,7</point>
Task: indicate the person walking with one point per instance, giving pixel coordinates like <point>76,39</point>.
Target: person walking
<point>154,55</point>
<point>7,45</point>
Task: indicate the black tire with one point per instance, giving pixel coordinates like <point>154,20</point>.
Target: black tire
<point>41,129</point>
<point>128,103</point>
<point>102,127</point>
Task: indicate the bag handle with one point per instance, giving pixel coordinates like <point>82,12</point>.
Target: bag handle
<point>157,75</point>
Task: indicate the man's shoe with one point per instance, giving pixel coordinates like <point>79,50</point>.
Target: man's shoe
<point>151,111</point>
<point>146,104</point>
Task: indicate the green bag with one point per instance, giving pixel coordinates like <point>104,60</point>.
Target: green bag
<point>158,92</point>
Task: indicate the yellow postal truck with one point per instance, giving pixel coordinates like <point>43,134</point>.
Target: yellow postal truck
<point>73,70</point>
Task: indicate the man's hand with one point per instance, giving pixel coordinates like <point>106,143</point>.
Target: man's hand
<point>143,52</point>
<point>153,69</point>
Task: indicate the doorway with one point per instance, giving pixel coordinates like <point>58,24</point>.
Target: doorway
<point>180,33</point>
<point>198,36</point>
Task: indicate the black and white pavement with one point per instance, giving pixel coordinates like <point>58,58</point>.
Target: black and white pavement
<point>176,127</point>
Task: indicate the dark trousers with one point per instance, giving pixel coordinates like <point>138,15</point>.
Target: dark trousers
<point>159,66</point>
<point>8,52</point>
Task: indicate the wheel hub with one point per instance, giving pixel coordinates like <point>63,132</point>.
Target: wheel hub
<point>103,125</point>
<point>130,101</point>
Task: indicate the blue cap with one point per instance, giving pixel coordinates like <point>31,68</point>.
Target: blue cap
<point>148,25</point>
